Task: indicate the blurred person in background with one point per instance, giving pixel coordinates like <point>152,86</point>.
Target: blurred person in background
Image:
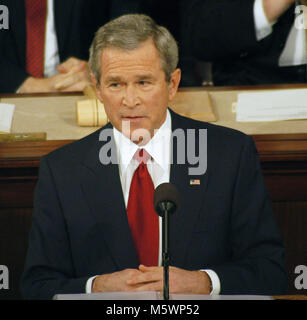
<point>46,46</point>
<point>249,42</point>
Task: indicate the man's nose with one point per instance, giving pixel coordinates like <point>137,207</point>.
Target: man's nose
<point>130,96</point>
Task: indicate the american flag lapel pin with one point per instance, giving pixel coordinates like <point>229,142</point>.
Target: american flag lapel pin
<point>194,182</point>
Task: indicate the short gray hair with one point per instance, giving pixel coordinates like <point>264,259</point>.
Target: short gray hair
<point>128,32</point>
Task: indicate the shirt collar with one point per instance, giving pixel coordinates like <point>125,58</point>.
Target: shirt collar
<point>158,147</point>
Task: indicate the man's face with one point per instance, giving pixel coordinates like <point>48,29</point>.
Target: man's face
<point>134,90</point>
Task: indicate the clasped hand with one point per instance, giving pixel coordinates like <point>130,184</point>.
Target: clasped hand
<point>151,279</point>
<point>73,75</point>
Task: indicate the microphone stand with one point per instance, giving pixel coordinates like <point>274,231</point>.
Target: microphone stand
<point>165,254</point>
<point>166,201</point>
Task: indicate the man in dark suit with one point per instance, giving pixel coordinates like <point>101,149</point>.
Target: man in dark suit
<point>75,22</point>
<point>249,42</point>
<point>223,239</point>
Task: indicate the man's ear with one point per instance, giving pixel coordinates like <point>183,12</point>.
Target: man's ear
<point>174,84</point>
<point>97,87</point>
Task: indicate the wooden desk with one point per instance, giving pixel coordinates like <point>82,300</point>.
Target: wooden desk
<point>282,148</point>
<point>291,297</point>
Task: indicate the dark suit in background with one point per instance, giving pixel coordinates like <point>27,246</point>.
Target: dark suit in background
<point>223,32</point>
<point>80,227</point>
<point>173,14</point>
<point>76,21</point>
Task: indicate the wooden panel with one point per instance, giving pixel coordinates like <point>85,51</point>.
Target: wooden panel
<point>26,154</point>
<point>292,221</point>
<point>17,194</point>
<point>292,187</point>
<point>282,147</point>
<point>14,235</point>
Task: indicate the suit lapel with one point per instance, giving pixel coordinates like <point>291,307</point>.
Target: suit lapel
<point>108,207</point>
<point>18,25</point>
<point>191,199</point>
<point>63,16</point>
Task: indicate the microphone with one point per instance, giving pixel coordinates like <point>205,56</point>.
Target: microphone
<point>166,202</point>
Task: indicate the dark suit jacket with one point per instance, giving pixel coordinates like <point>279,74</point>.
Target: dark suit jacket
<point>173,15</point>
<point>223,32</point>
<point>76,21</point>
<point>80,226</point>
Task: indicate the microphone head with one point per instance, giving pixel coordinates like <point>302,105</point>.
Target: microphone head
<point>166,197</point>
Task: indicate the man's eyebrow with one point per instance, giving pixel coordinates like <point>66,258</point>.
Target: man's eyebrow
<point>113,79</point>
<point>141,77</point>
<point>145,77</point>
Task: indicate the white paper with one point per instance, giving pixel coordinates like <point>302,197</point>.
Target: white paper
<point>272,105</point>
<point>6,116</point>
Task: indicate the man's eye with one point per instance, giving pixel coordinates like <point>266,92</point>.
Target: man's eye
<point>144,83</point>
<point>115,85</point>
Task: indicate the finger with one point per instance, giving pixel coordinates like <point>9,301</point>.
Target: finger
<point>70,64</point>
<point>65,66</point>
<point>64,83</point>
<point>79,86</point>
<point>67,80</point>
<point>62,68</point>
<point>145,278</point>
<point>152,286</point>
<point>73,69</point>
<point>78,67</point>
<point>72,77</point>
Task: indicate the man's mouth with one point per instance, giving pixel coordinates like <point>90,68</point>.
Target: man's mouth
<point>132,118</point>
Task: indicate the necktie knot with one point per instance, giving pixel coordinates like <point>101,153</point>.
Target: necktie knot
<point>142,156</point>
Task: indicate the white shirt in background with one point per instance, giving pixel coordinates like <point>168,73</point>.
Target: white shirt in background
<point>52,58</point>
<point>294,52</point>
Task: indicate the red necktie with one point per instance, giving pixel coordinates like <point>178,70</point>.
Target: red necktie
<point>36,13</point>
<point>143,220</point>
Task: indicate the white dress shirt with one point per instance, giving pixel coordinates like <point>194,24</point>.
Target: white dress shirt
<point>52,58</point>
<point>294,52</point>
<point>159,147</point>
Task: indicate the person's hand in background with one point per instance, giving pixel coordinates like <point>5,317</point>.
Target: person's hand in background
<point>275,8</point>
<point>73,76</point>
